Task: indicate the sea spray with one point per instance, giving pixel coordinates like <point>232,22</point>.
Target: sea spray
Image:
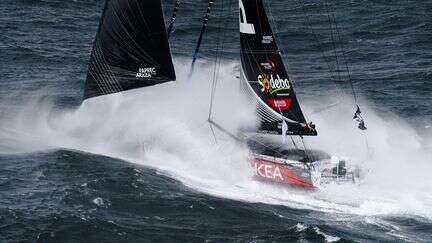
<point>165,127</point>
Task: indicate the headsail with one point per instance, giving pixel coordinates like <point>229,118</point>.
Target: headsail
<point>131,49</point>
<point>265,74</point>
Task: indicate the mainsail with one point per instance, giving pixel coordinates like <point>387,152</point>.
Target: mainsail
<point>131,49</point>
<point>264,73</point>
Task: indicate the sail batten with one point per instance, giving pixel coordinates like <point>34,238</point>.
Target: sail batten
<point>131,49</point>
<point>265,74</point>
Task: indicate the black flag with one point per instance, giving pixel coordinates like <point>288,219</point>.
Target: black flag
<point>358,117</point>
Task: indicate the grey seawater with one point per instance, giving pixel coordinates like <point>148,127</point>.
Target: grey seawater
<point>65,195</point>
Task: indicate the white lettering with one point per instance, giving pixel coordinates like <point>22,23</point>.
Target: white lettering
<point>266,65</point>
<point>275,84</point>
<point>279,103</point>
<point>146,72</point>
<point>245,27</point>
<point>268,171</point>
<point>279,83</point>
<point>267,39</point>
<point>277,173</point>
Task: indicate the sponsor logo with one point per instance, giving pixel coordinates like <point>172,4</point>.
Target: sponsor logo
<point>245,27</point>
<point>268,171</point>
<point>270,84</point>
<point>269,65</point>
<point>281,104</point>
<point>267,39</point>
<point>146,72</point>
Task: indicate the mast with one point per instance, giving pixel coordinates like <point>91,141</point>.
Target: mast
<point>131,49</point>
<point>264,76</point>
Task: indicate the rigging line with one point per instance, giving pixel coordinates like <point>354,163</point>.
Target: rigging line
<point>345,59</point>
<point>326,108</point>
<point>369,150</point>
<point>323,55</point>
<point>173,18</point>
<point>275,34</point>
<point>295,145</point>
<point>203,28</point>
<point>349,78</point>
<point>218,60</point>
<point>335,50</point>
<point>349,75</point>
<point>213,132</point>
<point>276,29</point>
<point>280,52</point>
<point>222,43</point>
<point>292,140</point>
<point>306,150</point>
<point>216,64</point>
<point>277,153</point>
<point>213,123</point>
<point>326,58</point>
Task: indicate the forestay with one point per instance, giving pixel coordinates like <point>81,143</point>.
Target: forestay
<point>265,75</point>
<point>131,49</point>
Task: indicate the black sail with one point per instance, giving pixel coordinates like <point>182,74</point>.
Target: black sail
<point>131,49</point>
<point>265,75</point>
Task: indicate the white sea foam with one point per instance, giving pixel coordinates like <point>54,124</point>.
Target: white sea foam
<point>328,238</point>
<point>100,202</point>
<point>300,227</point>
<point>165,127</point>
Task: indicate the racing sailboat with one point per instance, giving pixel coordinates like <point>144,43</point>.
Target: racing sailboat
<point>131,49</point>
<point>266,82</point>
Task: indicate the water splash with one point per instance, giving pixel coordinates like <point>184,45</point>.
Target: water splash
<point>165,127</point>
